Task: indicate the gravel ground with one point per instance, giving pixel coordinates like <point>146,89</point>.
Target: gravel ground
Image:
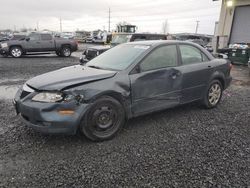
<point>182,147</point>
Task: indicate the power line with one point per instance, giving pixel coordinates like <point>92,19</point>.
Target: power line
<point>109,20</point>
<point>60,24</point>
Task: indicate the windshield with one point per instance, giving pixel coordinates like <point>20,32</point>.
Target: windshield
<point>121,39</point>
<point>118,58</point>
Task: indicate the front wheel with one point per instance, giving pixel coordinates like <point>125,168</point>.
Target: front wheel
<point>213,94</point>
<point>16,51</point>
<point>65,51</point>
<point>104,120</point>
<point>58,53</point>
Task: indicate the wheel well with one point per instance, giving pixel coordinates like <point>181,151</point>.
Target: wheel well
<point>222,81</point>
<point>65,45</point>
<point>16,46</point>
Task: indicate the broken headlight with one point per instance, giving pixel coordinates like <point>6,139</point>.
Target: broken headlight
<point>48,97</point>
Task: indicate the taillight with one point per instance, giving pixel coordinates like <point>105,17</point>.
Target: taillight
<point>76,42</point>
<point>230,66</point>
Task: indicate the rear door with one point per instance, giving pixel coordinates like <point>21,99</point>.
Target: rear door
<point>197,69</point>
<point>47,42</point>
<point>157,85</point>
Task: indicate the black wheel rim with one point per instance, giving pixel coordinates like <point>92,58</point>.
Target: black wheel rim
<point>104,120</point>
<point>66,52</point>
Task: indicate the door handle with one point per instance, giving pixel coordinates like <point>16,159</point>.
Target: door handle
<point>209,66</point>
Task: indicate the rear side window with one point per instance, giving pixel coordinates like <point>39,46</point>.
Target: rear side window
<point>46,37</point>
<point>156,38</point>
<point>190,55</point>
<point>139,38</point>
<point>34,36</point>
<point>161,57</point>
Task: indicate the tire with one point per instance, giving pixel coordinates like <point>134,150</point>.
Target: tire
<point>213,94</point>
<point>103,120</point>
<point>5,55</point>
<point>58,53</point>
<point>65,51</point>
<point>16,51</point>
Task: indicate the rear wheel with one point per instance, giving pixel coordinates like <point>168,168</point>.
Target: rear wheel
<point>65,51</point>
<point>104,120</point>
<point>213,94</point>
<point>16,51</point>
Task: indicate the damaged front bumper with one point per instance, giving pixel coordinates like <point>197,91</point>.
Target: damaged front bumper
<point>46,117</point>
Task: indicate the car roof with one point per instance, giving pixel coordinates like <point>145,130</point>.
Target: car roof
<point>159,42</point>
<point>155,43</point>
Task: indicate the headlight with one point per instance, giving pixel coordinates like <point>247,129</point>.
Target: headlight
<point>48,97</point>
<point>4,45</point>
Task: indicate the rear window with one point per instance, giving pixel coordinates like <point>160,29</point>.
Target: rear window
<point>157,37</point>
<point>46,37</point>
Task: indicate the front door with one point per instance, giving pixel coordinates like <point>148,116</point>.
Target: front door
<point>157,85</point>
<point>34,43</point>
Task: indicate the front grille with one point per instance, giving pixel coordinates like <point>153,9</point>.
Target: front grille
<point>90,54</point>
<point>24,94</point>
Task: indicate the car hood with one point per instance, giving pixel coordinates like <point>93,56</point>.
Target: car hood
<point>68,77</point>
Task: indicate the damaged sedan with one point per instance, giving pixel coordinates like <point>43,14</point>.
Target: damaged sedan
<point>126,81</point>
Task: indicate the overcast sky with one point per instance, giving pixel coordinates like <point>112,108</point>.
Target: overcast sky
<point>148,15</point>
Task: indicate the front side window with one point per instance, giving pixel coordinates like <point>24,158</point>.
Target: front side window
<point>34,36</point>
<point>190,55</point>
<point>161,57</point>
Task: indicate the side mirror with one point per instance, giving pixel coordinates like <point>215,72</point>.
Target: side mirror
<point>27,39</point>
<point>136,70</point>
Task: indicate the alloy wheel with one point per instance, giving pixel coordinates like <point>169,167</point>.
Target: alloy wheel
<point>214,94</point>
<point>16,52</point>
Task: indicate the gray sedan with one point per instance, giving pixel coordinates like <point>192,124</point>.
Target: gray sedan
<point>126,81</point>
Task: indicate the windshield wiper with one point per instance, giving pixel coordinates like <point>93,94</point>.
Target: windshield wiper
<point>95,67</point>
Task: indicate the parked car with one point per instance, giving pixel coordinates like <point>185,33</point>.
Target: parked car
<point>120,38</point>
<point>36,43</point>
<point>128,80</point>
<point>67,35</point>
<point>92,52</point>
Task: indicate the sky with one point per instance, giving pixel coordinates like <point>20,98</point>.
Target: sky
<point>148,15</point>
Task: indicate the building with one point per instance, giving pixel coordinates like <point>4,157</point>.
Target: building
<point>234,23</point>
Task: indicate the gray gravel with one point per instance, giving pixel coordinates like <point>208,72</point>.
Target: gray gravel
<point>182,147</point>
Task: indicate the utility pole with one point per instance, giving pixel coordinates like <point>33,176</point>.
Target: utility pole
<point>197,26</point>
<point>109,19</point>
<point>60,24</point>
<point>37,25</point>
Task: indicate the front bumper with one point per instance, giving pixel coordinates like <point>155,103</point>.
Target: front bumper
<point>45,117</point>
